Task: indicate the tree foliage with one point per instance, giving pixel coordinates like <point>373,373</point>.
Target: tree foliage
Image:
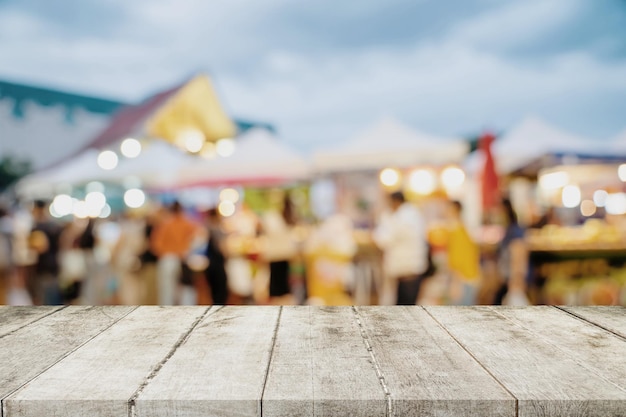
<point>11,170</point>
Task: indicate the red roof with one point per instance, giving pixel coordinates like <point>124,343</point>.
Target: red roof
<point>125,122</point>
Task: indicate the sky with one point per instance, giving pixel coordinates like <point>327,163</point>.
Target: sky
<point>322,71</point>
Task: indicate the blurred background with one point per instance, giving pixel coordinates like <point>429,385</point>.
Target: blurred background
<point>267,152</point>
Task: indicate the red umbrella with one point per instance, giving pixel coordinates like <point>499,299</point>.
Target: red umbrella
<point>489,177</point>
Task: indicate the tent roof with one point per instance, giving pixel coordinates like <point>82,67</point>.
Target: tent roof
<point>389,143</point>
<point>156,167</point>
<point>532,139</point>
<point>259,158</point>
<point>529,141</point>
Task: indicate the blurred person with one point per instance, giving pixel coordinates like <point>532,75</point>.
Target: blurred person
<point>550,217</point>
<point>126,261</point>
<point>6,253</point>
<point>401,235</point>
<point>215,273</point>
<point>86,242</point>
<point>242,227</point>
<point>72,262</point>
<point>44,285</point>
<point>278,249</point>
<point>512,259</point>
<point>463,258</point>
<point>329,250</point>
<point>172,242</point>
<point>148,258</point>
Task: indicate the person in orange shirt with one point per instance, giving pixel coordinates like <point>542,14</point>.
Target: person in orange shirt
<point>172,241</point>
<point>463,259</point>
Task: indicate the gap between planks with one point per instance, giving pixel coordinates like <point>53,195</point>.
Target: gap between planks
<point>2,407</point>
<point>375,362</point>
<point>269,361</point>
<point>546,340</point>
<point>34,321</point>
<point>132,412</point>
<point>476,360</point>
<point>586,320</point>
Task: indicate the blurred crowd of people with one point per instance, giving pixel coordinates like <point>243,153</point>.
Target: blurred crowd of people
<point>173,255</point>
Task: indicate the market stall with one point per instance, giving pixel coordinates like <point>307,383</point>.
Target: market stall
<point>385,157</point>
<point>389,143</point>
<point>578,249</point>
<point>259,158</point>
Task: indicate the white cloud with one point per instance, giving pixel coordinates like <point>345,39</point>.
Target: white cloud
<point>453,84</point>
<point>515,24</point>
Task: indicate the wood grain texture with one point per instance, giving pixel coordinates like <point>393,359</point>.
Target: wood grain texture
<point>426,371</point>
<point>545,381</point>
<point>27,352</point>
<point>595,349</point>
<point>611,318</point>
<point>13,318</point>
<point>99,378</point>
<point>220,370</point>
<point>313,361</point>
<point>321,367</point>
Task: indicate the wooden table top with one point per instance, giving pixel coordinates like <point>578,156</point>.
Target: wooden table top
<point>310,361</point>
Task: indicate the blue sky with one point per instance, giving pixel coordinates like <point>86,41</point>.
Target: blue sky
<point>321,71</point>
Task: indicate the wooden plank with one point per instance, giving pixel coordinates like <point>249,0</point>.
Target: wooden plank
<point>592,347</point>
<point>426,371</point>
<point>99,378</point>
<point>321,367</point>
<point>545,381</point>
<point>219,371</point>
<point>13,318</point>
<point>612,318</point>
<point>29,351</point>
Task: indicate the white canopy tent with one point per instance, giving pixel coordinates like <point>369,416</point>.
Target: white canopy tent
<point>259,158</point>
<point>528,141</point>
<point>155,167</point>
<point>389,143</point>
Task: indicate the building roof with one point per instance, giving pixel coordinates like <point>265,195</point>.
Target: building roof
<point>83,116</point>
<point>21,93</point>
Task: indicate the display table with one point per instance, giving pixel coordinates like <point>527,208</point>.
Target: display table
<point>305,361</point>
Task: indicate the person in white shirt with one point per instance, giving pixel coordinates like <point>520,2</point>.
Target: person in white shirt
<point>401,235</point>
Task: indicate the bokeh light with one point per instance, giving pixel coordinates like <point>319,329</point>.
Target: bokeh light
<point>107,160</point>
<point>105,212</point>
<point>193,140</point>
<point>389,177</point>
<point>554,180</point>
<point>587,208</point>
<point>571,196</point>
<point>452,178</point>
<point>62,205</point>
<point>226,208</point>
<point>134,198</point>
<point>96,199</point>
<point>423,181</point>
<point>616,204</point>
<point>225,147</point>
<point>621,172</point>
<point>131,148</point>
<point>229,194</point>
<point>599,198</point>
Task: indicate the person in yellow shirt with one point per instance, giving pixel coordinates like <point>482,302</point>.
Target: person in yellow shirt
<point>463,259</point>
